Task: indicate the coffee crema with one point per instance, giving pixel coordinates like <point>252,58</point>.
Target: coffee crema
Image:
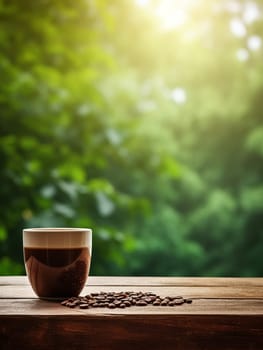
<point>57,261</point>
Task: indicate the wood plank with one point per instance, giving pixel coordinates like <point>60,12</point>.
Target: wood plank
<point>33,307</point>
<point>195,332</point>
<point>235,292</point>
<point>256,282</point>
<point>176,281</point>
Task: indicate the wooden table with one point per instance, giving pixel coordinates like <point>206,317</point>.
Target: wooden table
<point>226,313</point>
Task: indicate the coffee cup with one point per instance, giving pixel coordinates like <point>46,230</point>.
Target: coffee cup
<point>57,260</point>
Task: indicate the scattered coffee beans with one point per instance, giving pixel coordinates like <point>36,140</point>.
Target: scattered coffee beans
<point>122,300</point>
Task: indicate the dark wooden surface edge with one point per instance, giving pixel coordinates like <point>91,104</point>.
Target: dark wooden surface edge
<point>136,332</point>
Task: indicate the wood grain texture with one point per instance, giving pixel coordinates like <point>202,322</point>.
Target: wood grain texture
<point>33,307</point>
<point>132,332</point>
<point>226,313</point>
<point>158,281</point>
<point>23,291</point>
<point>18,287</point>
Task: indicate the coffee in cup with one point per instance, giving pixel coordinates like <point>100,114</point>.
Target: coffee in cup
<point>57,260</point>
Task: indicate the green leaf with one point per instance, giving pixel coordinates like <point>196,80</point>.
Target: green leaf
<point>171,167</point>
<point>251,199</point>
<point>3,233</point>
<point>254,141</point>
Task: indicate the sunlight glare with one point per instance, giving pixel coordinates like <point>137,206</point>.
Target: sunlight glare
<point>251,13</point>
<point>170,14</point>
<point>238,28</point>
<point>233,6</point>
<point>178,95</point>
<point>142,3</point>
<point>254,42</point>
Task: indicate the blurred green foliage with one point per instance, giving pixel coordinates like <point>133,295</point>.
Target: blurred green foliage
<point>140,119</point>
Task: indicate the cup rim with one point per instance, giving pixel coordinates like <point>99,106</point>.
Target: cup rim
<point>56,229</point>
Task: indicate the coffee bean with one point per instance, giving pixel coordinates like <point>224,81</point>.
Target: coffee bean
<point>141,303</point>
<point>123,299</point>
<point>147,300</point>
<point>110,298</point>
<point>150,293</point>
<point>112,306</point>
<point>71,305</point>
<point>188,301</point>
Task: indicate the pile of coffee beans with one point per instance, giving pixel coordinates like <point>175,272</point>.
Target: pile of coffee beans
<point>114,300</point>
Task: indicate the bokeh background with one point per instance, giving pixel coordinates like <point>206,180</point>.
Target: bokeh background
<point>140,119</point>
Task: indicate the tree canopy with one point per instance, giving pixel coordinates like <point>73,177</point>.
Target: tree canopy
<point>140,119</point>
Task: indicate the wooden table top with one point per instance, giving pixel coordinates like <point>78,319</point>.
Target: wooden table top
<point>226,313</point>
